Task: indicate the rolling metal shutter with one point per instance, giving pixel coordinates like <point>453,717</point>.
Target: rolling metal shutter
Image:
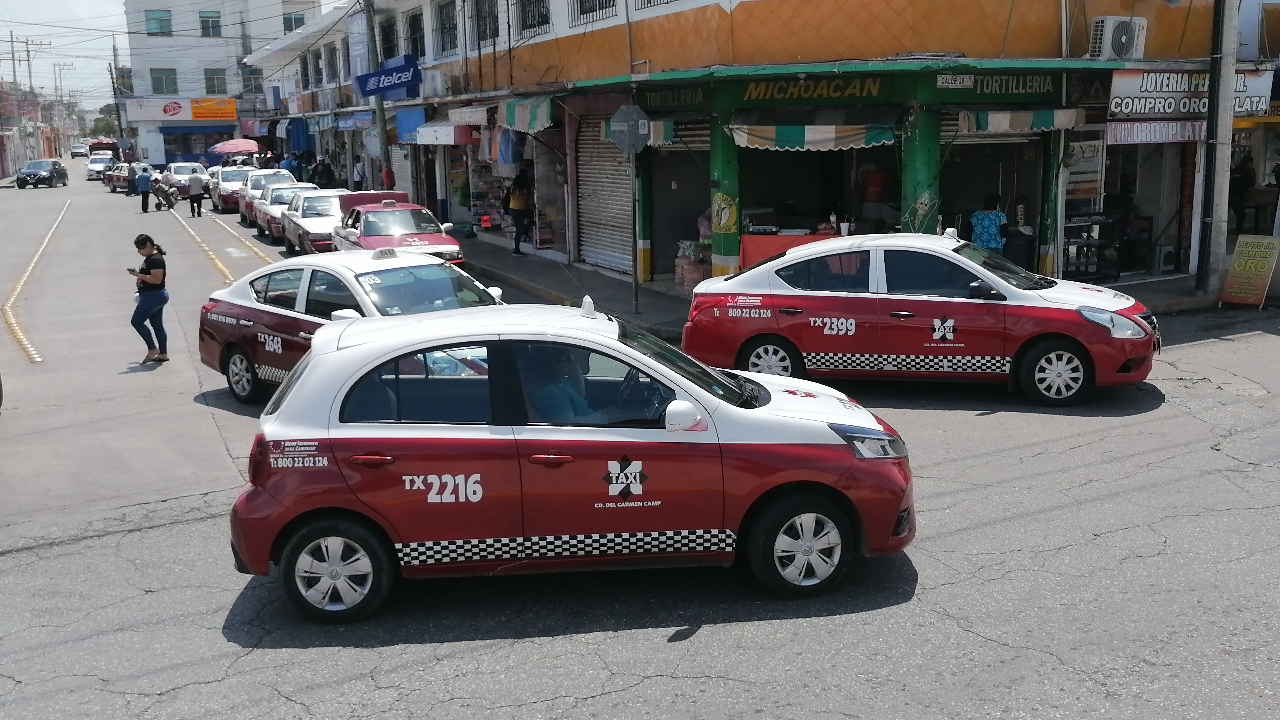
<point>693,135</point>
<point>403,168</point>
<point>604,200</point>
<point>950,134</point>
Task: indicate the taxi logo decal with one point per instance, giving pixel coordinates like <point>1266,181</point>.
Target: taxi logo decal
<point>745,301</point>
<point>625,477</point>
<point>944,329</point>
<point>800,393</point>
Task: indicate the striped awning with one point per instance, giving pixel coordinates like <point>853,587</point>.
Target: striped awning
<point>662,128</point>
<point>526,114</point>
<point>1019,121</point>
<point>828,129</point>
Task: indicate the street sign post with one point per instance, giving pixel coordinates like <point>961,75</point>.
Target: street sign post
<point>629,131</point>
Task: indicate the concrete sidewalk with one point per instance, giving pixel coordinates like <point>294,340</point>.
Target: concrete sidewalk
<point>661,314</point>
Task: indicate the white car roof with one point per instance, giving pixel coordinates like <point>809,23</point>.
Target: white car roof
<point>551,321</point>
<point>324,193</point>
<point>863,242</point>
<point>269,171</point>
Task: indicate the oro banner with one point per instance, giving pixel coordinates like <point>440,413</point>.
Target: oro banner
<point>1252,265</point>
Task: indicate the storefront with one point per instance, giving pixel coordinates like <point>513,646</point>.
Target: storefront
<point>181,129</point>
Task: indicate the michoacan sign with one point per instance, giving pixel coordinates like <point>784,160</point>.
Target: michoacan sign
<point>796,92</point>
<point>1249,274</point>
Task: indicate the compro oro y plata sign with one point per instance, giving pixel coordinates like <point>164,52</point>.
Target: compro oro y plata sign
<point>1252,266</point>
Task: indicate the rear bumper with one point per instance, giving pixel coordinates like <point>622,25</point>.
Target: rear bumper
<point>256,520</point>
<point>714,349</point>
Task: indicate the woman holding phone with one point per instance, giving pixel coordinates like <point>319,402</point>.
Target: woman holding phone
<point>152,297</point>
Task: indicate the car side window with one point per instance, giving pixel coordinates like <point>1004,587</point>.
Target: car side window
<point>327,293</point>
<point>841,272</point>
<point>908,272</point>
<point>572,386</point>
<point>440,385</point>
<point>279,289</point>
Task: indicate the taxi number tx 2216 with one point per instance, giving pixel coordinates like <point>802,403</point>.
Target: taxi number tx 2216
<point>532,438</point>
<point>922,306</point>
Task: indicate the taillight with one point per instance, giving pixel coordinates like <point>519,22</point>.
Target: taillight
<point>702,302</point>
<point>258,460</point>
<point>208,307</point>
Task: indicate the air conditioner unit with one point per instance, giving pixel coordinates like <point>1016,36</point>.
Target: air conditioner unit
<point>1117,37</point>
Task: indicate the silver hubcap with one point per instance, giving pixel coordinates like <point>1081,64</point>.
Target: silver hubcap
<point>333,573</point>
<point>807,550</point>
<point>1059,375</point>
<point>240,374</point>
<point>770,360</point>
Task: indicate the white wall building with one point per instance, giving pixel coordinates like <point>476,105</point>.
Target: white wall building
<point>190,86</point>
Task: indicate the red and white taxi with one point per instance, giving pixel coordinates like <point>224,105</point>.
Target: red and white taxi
<point>534,438</point>
<point>308,220</point>
<point>255,331</point>
<point>920,306</point>
<point>392,223</point>
<point>268,208</point>
<point>254,184</point>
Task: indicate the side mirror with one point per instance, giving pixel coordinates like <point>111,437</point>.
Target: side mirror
<point>446,227</point>
<point>351,233</point>
<point>682,415</point>
<point>291,213</point>
<point>496,292</point>
<point>982,290</point>
<point>345,315</point>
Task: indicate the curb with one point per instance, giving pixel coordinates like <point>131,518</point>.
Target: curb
<point>1195,302</point>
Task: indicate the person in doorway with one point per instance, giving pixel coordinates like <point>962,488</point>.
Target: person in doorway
<point>143,183</point>
<point>152,297</point>
<point>133,181</point>
<point>518,204</point>
<point>195,194</point>
<point>357,173</point>
<point>1243,176</point>
<point>990,226</point>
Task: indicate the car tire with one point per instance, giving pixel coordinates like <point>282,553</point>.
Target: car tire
<point>112,186</point>
<point>801,545</point>
<point>244,221</point>
<point>242,377</point>
<point>771,355</point>
<point>22,186</point>
<point>258,230</point>
<point>1056,371</point>
<point>331,555</point>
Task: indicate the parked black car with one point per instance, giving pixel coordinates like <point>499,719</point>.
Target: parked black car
<point>42,172</point>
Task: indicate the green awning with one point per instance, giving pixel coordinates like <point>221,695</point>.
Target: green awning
<point>1019,121</point>
<point>827,129</point>
<point>662,128</point>
<point>526,114</point>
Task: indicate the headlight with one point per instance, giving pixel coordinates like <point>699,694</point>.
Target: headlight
<point>871,444</point>
<point>1119,325</point>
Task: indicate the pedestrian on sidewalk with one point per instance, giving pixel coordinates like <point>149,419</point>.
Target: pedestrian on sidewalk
<point>357,174</point>
<point>518,204</point>
<point>152,297</point>
<point>195,194</point>
<point>133,181</point>
<point>143,183</point>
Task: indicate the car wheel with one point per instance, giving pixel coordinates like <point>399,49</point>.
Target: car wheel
<point>801,545</point>
<point>336,571</point>
<point>22,186</point>
<point>1056,372</point>
<point>771,355</point>
<point>242,377</point>
<point>258,230</point>
<point>243,220</point>
<point>112,186</point>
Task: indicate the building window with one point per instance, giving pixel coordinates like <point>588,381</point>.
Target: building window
<point>387,38</point>
<point>215,81</point>
<point>164,81</point>
<point>444,26</point>
<point>293,21</point>
<point>415,34</point>
<point>582,12</point>
<point>534,17</point>
<point>251,80</point>
<point>331,62</point>
<point>124,80</point>
<point>486,21</point>
<point>210,23</point>
<point>346,59</point>
<point>159,23</point>
<point>305,72</point>
<point>642,4</point>
<point>317,68</point>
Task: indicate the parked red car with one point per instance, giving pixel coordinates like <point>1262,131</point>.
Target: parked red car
<point>393,223</point>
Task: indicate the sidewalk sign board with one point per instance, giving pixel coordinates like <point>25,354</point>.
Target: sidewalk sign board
<point>1249,274</point>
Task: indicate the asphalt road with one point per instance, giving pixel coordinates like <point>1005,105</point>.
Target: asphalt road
<point>1116,559</point>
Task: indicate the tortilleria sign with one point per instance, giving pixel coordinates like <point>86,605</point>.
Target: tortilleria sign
<point>1183,94</point>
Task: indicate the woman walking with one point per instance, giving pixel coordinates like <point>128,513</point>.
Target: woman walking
<point>152,297</point>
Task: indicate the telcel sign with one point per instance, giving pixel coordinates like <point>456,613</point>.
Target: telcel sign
<point>384,81</point>
<point>1180,94</point>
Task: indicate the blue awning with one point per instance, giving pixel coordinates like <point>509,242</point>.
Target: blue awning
<point>195,129</point>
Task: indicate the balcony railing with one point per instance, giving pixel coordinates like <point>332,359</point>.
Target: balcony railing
<point>582,12</point>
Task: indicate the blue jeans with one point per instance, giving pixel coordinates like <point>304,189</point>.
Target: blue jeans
<point>150,308</point>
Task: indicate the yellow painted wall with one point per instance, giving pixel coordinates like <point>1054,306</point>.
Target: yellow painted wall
<point>790,31</point>
<point>1269,42</point>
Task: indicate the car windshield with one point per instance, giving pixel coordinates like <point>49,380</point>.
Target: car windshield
<point>423,289</point>
<point>319,206</point>
<point>189,170</point>
<point>399,222</point>
<point>100,161</point>
<point>1003,268</point>
<point>676,361</point>
<point>232,176</point>
<point>282,196</point>
<point>39,165</point>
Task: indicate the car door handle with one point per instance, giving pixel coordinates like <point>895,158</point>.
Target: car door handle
<point>790,311</point>
<point>551,460</point>
<point>902,314</point>
<point>305,335</point>
<point>373,461</point>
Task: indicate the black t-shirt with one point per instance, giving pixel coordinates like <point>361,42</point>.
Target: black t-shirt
<point>153,262</point>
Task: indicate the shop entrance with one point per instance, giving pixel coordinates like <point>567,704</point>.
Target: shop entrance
<point>1013,171</point>
<point>1143,193</point>
<point>681,182</point>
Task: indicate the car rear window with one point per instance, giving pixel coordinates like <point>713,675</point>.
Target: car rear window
<point>423,289</point>
<point>286,387</point>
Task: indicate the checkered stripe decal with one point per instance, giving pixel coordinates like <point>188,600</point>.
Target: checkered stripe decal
<point>271,374</point>
<point>909,363</point>
<point>668,541</point>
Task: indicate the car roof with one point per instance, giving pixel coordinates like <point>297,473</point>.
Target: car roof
<point>862,242</point>
<point>357,261</point>
<point>374,207</point>
<point>325,193</point>
<point>554,321</point>
<point>269,171</point>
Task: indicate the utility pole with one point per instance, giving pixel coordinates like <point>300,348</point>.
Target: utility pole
<point>60,107</point>
<point>379,109</point>
<point>1217,155</point>
<point>115,95</point>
